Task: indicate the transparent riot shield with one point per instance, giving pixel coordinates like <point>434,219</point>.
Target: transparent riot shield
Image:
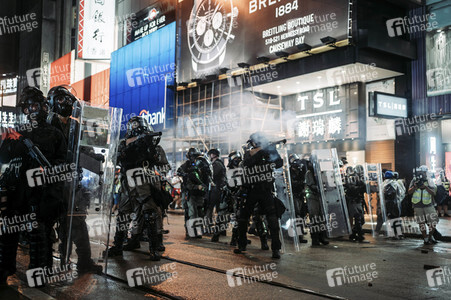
<point>92,150</point>
<point>330,184</point>
<point>291,227</point>
<point>375,197</point>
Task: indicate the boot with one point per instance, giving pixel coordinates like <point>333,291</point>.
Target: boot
<point>239,250</point>
<point>322,238</point>
<point>233,241</point>
<point>353,236</point>
<point>89,267</point>
<point>275,254</point>
<point>132,244</point>
<point>161,246</point>
<point>113,251</point>
<point>302,240</point>
<point>153,248</point>
<point>215,238</point>
<point>315,239</point>
<point>264,242</point>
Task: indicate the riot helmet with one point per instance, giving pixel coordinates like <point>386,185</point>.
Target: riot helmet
<point>137,126</point>
<point>293,158</point>
<point>258,139</point>
<point>215,152</point>
<point>33,104</point>
<point>203,165</point>
<point>234,159</point>
<point>193,153</point>
<point>61,100</point>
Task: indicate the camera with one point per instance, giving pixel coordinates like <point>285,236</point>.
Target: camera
<point>420,177</point>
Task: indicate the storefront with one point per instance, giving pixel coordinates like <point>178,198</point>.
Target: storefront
<point>431,86</point>
<point>304,75</point>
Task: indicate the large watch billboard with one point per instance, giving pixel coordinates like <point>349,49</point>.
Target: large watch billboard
<point>221,33</point>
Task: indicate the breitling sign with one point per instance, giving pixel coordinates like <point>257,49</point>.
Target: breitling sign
<point>221,33</point>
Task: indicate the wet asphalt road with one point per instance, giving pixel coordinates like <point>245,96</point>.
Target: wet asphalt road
<point>196,269</point>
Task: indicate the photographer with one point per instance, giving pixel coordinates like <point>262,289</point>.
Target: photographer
<point>424,190</point>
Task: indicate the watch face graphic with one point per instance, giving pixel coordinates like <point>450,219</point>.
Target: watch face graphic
<point>209,30</point>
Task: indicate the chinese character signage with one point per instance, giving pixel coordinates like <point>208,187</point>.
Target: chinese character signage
<point>384,105</point>
<point>151,19</point>
<point>8,117</point>
<point>323,115</point>
<point>8,86</point>
<point>96,29</point>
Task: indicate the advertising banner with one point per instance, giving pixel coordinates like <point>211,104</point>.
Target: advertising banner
<point>95,35</point>
<point>139,75</point>
<point>222,33</point>
<point>438,64</point>
<point>151,19</point>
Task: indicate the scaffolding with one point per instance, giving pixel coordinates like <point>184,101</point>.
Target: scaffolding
<point>223,115</point>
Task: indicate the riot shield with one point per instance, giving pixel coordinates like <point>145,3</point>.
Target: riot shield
<point>330,184</point>
<point>290,226</point>
<point>93,141</point>
<point>375,197</point>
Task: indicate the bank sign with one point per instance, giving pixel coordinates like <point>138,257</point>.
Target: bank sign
<point>221,33</point>
<point>139,76</point>
<point>323,115</point>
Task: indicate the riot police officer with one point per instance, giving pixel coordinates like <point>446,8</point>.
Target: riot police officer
<point>355,189</point>
<point>236,200</point>
<point>43,201</point>
<point>62,102</point>
<point>198,183</point>
<point>298,168</point>
<point>140,150</point>
<point>259,162</point>
<point>215,194</point>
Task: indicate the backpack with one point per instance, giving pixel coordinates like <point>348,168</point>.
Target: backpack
<point>389,193</point>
